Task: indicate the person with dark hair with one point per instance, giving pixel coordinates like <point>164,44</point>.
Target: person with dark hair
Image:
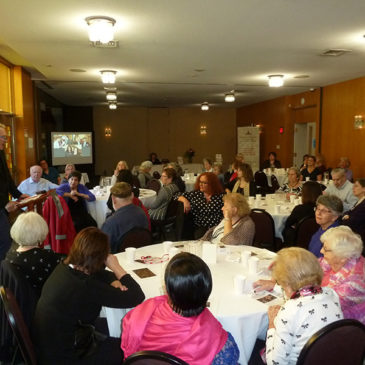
<point>71,301</point>
<point>179,322</point>
<point>245,183</point>
<point>208,166</point>
<point>126,216</point>
<point>157,209</point>
<point>76,196</point>
<point>154,159</point>
<point>127,177</point>
<point>179,182</point>
<point>310,192</point>
<point>272,162</point>
<point>311,171</point>
<point>49,173</point>
<point>204,202</point>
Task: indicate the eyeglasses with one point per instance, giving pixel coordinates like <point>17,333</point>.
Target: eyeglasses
<point>4,137</point>
<point>203,182</point>
<point>322,211</point>
<point>164,176</point>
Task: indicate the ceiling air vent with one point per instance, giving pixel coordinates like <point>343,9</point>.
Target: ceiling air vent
<point>335,52</point>
<point>110,44</point>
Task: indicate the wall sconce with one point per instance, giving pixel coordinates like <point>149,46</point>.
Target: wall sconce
<point>229,97</point>
<point>359,122</point>
<point>108,76</point>
<point>108,132</point>
<point>111,96</point>
<point>112,105</point>
<point>100,28</point>
<point>205,106</point>
<point>203,129</point>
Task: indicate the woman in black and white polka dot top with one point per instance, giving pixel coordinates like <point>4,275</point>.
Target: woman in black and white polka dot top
<point>35,263</point>
<point>205,203</point>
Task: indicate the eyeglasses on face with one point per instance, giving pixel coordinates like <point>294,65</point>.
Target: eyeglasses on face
<point>164,176</point>
<point>326,249</point>
<point>322,211</point>
<point>4,137</point>
<point>203,182</point>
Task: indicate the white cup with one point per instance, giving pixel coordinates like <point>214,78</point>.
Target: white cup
<point>325,181</point>
<point>251,199</point>
<point>277,209</point>
<point>253,265</point>
<point>166,246</point>
<point>245,256</point>
<point>307,178</point>
<point>130,252</point>
<point>258,196</point>
<point>173,251</point>
<point>239,284</point>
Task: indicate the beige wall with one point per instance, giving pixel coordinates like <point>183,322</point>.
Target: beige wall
<point>167,131</point>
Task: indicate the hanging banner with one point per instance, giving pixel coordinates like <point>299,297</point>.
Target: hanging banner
<point>248,143</point>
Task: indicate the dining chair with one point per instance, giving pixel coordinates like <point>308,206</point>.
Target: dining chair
<point>152,358</point>
<point>154,185</point>
<point>305,229</point>
<point>18,326</point>
<point>274,184</point>
<point>136,237</point>
<point>261,183</point>
<point>340,342</point>
<point>264,229</point>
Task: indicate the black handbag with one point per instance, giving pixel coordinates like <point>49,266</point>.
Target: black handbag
<point>87,340</point>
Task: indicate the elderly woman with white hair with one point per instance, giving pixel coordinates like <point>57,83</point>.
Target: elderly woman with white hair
<point>144,175</point>
<point>29,231</point>
<point>344,269</point>
<point>294,185</point>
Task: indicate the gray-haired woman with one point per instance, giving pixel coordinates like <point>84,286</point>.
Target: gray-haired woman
<point>328,209</point>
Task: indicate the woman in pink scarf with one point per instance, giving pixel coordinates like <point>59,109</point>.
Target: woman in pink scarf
<point>179,323</point>
<point>344,269</point>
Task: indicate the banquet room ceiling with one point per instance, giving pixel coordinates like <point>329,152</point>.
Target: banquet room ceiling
<point>183,53</point>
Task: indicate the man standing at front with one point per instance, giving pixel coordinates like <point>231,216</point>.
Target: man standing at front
<point>342,188</point>
<point>126,216</point>
<point>7,187</point>
<point>35,183</point>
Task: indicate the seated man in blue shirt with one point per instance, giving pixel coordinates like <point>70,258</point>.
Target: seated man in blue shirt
<point>35,183</point>
<point>126,216</point>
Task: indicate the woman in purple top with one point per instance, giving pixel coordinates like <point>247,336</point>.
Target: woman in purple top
<point>76,196</point>
<point>328,209</point>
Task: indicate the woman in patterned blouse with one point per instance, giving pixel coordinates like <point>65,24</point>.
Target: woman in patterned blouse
<point>205,203</point>
<point>308,306</point>
<point>294,185</point>
<point>36,264</point>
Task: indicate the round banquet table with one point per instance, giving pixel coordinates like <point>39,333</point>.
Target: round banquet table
<point>240,314</point>
<point>99,210</point>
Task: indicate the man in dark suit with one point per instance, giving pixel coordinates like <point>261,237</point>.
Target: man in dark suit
<point>7,187</point>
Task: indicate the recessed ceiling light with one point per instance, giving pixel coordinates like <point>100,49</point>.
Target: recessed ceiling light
<point>111,96</point>
<point>77,70</point>
<point>302,77</point>
<point>100,28</point>
<point>276,80</point>
<point>205,106</point>
<point>108,76</point>
<point>229,97</point>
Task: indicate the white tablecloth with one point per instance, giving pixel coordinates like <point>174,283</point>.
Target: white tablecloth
<point>280,218</point>
<point>244,317</point>
<point>189,180</point>
<point>280,174</point>
<point>195,168</point>
<point>98,208</point>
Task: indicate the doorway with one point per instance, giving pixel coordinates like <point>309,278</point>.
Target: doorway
<point>304,141</point>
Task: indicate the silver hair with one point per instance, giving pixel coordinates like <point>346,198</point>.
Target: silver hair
<point>297,171</point>
<point>145,165</point>
<point>332,202</point>
<point>343,242</point>
<point>29,229</point>
<point>338,170</point>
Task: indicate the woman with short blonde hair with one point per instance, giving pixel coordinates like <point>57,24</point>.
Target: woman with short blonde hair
<point>308,307</point>
<point>237,227</point>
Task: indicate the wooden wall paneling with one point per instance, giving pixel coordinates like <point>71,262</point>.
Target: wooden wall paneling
<point>5,88</point>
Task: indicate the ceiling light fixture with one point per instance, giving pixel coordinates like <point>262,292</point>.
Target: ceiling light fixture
<point>229,97</point>
<point>108,76</point>
<point>205,106</point>
<point>276,80</point>
<point>113,106</point>
<point>111,96</point>
<point>100,28</point>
